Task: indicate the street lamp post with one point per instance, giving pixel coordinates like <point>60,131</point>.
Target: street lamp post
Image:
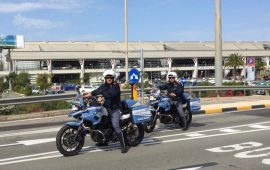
<point>218,44</point>
<point>126,40</point>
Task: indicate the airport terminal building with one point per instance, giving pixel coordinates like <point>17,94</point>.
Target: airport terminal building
<point>68,60</point>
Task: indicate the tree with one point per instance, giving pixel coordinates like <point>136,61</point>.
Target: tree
<point>259,65</point>
<point>3,85</point>
<point>234,61</point>
<point>22,83</point>
<point>1,66</point>
<point>42,81</point>
<point>11,78</point>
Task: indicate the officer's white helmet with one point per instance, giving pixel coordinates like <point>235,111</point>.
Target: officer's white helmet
<point>109,73</point>
<point>172,74</point>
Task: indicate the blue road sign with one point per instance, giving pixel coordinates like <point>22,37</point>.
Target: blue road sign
<point>133,76</point>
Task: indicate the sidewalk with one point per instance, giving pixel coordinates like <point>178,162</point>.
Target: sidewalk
<point>208,106</point>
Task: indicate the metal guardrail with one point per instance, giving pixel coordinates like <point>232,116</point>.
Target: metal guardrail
<point>47,98</point>
<point>221,88</point>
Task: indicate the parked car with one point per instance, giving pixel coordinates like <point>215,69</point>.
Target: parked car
<point>262,83</point>
<point>87,89</point>
<point>68,87</point>
<point>52,91</point>
<point>56,87</point>
<point>35,89</point>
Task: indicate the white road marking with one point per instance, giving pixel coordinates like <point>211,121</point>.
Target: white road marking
<point>11,144</point>
<point>266,161</point>
<point>208,136</point>
<point>229,130</point>
<point>36,141</point>
<point>248,154</point>
<point>40,158</point>
<point>235,147</point>
<point>45,130</point>
<point>194,134</point>
<point>259,126</point>
<point>193,168</point>
<point>230,127</point>
<point>53,154</point>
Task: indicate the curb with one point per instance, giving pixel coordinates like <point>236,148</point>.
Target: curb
<point>65,112</point>
<point>229,109</point>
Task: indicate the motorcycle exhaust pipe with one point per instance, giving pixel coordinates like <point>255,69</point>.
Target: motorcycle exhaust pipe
<point>165,115</point>
<point>103,136</point>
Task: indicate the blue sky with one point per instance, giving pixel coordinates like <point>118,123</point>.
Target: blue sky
<point>149,20</point>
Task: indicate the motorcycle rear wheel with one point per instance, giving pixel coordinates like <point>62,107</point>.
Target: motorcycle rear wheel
<point>68,142</point>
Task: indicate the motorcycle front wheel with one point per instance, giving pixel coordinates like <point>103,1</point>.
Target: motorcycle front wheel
<point>149,126</point>
<point>134,134</point>
<point>69,141</point>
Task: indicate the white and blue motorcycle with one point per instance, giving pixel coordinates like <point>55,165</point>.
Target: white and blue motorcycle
<point>162,109</point>
<point>95,121</point>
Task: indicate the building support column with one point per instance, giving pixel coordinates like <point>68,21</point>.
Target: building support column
<point>14,69</point>
<point>10,68</point>
<point>49,65</point>
<point>266,60</point>
<point>244,71</point>
<point>113,63</point>
<point>169,62</point>
<point>195,72</point>
<point>82,71</point>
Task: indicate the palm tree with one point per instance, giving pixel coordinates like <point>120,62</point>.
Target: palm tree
<point>42,81</point>
<point>259,65</point>
<point>234,60</point>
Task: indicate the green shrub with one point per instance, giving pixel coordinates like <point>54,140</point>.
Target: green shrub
<point>233,83</point>
<point>205,83</point>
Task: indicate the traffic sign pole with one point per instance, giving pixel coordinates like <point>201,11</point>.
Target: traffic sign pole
<point>132,90</point>
<point>142,77</point>
<point>133,76</point>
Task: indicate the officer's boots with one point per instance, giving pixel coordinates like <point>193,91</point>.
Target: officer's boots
<point>183,122</point>
<point>124,147</point>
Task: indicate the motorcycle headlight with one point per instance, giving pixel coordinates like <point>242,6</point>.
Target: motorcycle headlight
<point>75,108</point>
<point>152,98</point>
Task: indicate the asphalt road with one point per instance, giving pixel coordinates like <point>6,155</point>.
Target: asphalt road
<point>235,140</point>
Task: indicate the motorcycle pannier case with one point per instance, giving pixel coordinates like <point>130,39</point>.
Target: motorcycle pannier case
<point>141,114</point>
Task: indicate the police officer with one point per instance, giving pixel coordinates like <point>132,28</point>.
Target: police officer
<point>110,90</point>
<point>175,92</point>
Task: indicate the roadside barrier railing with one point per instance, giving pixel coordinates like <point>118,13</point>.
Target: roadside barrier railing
<point>198,90</point>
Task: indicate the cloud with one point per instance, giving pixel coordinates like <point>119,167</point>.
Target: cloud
<point>44,4</point>
<point>36,23</point>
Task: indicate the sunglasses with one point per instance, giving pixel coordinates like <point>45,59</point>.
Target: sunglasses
<point>108,77</point>
<point>171,77</point>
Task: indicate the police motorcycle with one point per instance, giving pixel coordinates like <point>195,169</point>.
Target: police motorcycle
<point>166,112</point>
<point>93,119</point>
